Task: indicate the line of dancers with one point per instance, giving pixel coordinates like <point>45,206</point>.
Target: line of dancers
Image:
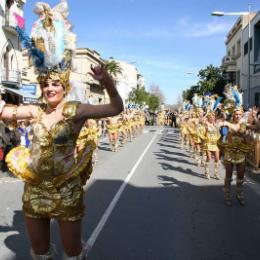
<point>226,133</point>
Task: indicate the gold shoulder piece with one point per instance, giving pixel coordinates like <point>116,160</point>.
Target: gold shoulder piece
<point>70,109</point>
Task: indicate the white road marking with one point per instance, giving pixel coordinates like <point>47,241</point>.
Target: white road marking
<point>92,239</point>
<point>11,180</point>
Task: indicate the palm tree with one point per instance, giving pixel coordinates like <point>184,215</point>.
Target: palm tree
<point>113,68</point>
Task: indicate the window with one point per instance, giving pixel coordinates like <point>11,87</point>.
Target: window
<point>246,48</point>
<point>238,47</point>
<point>233,50</point>
<point>257,46</point>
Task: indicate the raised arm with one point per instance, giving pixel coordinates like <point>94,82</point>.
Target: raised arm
<point>115,107</point>
<point>13,113</point>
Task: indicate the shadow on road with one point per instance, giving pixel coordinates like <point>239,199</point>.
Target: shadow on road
<point>17,243</point>
<point>161,156</point>
<point>175,221</point>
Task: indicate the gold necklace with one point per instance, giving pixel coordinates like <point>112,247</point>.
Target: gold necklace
<point>51,109</point>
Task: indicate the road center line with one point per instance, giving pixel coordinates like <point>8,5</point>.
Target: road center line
<point>92,239</point>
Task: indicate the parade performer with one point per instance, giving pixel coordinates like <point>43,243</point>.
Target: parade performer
<point>235,150</point>
<point>133,125</point>
<point>184,133</point>
<point>192,132</point>
<point>112,126</point>
<point>253,159</point>
<point>233,99</point>
<point>55,169</point>
<point>199,135</point>
<point>129,125</point>
<point>91,132</point>
<point>123,128</point>
<point>212,135</point>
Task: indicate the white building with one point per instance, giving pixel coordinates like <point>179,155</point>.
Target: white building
<point>85,88</point>
<point>254,66</point>
<point>11,13</point>
<point>93,92</point>
<point>129,79</point>
<point>232,61</point>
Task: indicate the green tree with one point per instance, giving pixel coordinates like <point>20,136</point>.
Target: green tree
<point>113,68</point>
<point>153,102</point>
<point>188,93</point>
<point>211,80</point>
<point>139,96</point>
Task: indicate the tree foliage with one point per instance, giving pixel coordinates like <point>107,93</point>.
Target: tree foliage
<point>113,68</point>
<point>189,93</point>
<point>141,97</point>
<point>153,102</point>
<point>211,80</point>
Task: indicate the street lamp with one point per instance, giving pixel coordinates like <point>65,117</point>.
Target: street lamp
<point>219,13</point>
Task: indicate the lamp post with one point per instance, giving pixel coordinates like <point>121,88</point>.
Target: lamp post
<point>219,13</point>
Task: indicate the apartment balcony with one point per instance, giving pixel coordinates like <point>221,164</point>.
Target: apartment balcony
<point>11,20</point>
<point>229,63</point>
<point>11,77</point>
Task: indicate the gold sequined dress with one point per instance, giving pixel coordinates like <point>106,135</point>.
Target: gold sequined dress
<point>199,133</point>
<point>237,147</point>
<point>54,170</point>
<point>212,135</point>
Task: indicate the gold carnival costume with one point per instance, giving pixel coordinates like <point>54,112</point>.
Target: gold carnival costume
<point>212,136</point>
<point>53,173</point>
<point>112,129</point>
<point>58,163</point>
<point>236,148</point>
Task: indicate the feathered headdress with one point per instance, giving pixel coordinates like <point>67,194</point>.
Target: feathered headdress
<point>52,44</point>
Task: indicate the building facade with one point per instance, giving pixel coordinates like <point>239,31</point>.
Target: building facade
<point>232,61</point>
<point>129,79</point>
<point>251,67</point>
<point>90,88</point>
<point>85,88</point>
<point>11,14</point>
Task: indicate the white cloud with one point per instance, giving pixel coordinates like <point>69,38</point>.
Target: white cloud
<point>184,28</point>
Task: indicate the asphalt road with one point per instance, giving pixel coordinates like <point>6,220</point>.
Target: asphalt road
<point>148,201</point>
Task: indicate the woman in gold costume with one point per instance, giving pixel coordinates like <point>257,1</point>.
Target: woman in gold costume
<point>235,151</point>
<point>58,163</point>
<point>112,126</point>
<point>199,130</point>
<point>54,170</point>
<point>212,135</point>
<point>91,131</point>
<point>123,128</point>
<point>127,124</point>
<point>192,132</point>
<point>184,133</point>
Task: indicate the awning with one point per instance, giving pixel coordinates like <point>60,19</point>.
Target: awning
<point>27,97</point>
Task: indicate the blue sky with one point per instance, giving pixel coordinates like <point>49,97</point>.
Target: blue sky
<point>164,38</point>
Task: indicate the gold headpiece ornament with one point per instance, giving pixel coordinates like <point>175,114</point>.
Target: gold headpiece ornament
<point>52,43</point>
<point>239,109</point>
